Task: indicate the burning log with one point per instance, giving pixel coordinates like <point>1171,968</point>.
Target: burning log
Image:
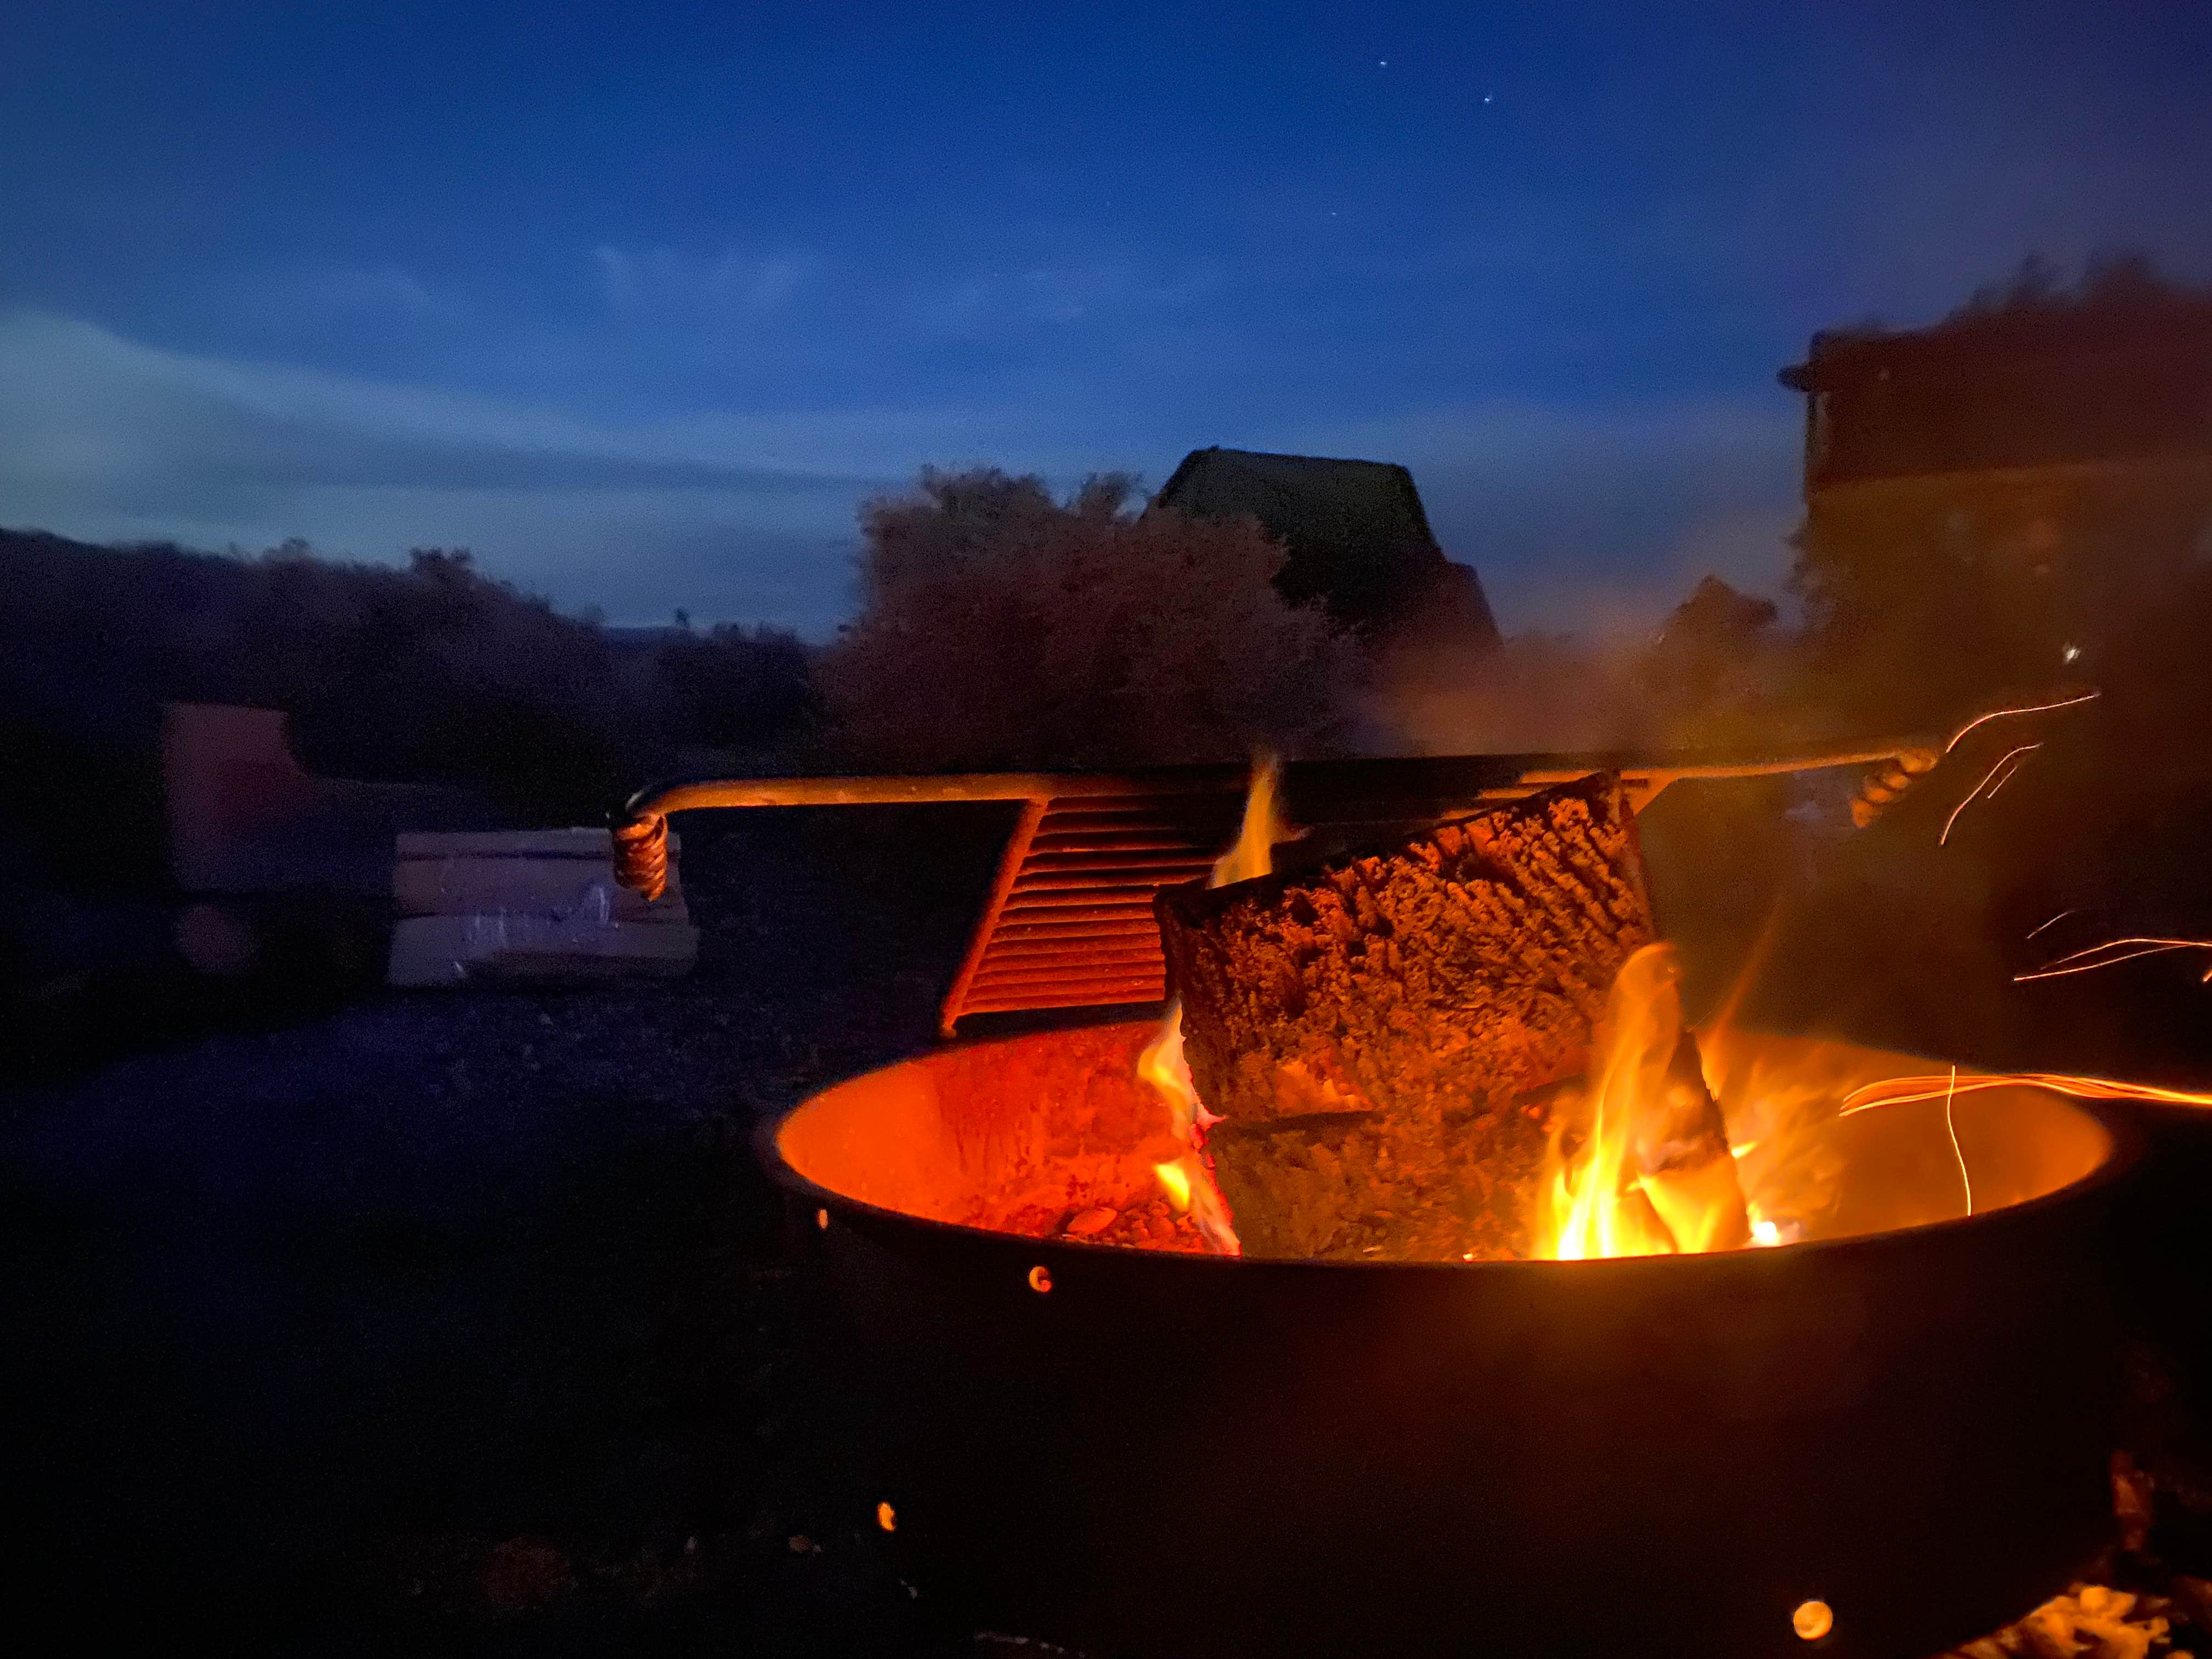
<point>1373,1034</point>
<point>1686,1168</point>
<point>1641,1164</point>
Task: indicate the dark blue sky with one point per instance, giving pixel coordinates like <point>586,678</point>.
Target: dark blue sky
<point>640,301</point>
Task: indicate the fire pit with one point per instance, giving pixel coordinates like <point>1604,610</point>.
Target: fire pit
<point>1874,1418</point>
<point>1891,1436</point>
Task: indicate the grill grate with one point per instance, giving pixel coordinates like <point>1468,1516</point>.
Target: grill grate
<point>1071,925</point>
<point>1069,922</point>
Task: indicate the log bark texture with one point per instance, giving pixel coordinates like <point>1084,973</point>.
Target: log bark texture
<point>1379,1035</point>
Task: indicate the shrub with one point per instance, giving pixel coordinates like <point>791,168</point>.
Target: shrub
<point>999,629</point>
<point>432,673</point>
<point>747,691</point>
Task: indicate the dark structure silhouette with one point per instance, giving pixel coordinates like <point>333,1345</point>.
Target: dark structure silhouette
<point>2104,383</point>
<point>1358,540</point>
<point>2009,487</point>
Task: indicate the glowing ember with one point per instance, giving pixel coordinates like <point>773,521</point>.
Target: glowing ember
<point>1812,1620</point>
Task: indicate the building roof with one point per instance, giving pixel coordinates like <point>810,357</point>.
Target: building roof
<point>1358,537</point>
<point>2159,322</point>
<point>2119,377</point>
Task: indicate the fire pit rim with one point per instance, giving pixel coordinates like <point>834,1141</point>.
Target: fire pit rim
<point>990,1374</point>
<point>2125,1144</point>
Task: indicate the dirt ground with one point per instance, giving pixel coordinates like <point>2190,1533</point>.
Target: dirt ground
<point>456,1322</point>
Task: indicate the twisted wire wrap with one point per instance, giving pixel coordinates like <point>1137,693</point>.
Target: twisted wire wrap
<point>1888,781</point>
<point>641,855</point>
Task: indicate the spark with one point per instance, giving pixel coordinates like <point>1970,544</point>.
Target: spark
<point>2010,773</point>
<point>2003,713</point>
<point>1910,1090</point>
<point>1984,784</point>
<point>2070,654</point>
<point>2078,961</point>
<point>1951,1127</point>
<point>2061,917</point>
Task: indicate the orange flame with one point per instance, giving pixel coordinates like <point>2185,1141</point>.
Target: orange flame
<point>1652,1174</point>
<point>1188,1181</point>
<point>1253,853</point>
<point>1599,1196</point>
<point>1176,1180</point>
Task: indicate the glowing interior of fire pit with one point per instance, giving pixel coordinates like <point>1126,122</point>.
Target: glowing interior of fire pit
<point>1056,1136</point>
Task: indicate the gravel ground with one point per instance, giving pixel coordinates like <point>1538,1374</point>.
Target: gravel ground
<point>454,1321</point>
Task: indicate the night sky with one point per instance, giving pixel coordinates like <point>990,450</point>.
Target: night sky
<point>638,301</point>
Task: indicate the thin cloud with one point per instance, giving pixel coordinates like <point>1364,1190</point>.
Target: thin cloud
<point>79,403</point>
<point>104,438</point>
<point>388,290</point>
<point>732,513</point>
<point>667,284</point>
<point>1567,510</point>
<point>308,304</point>
<point>1081,291</point>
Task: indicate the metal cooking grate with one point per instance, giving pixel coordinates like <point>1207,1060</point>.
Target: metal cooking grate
<point>1069,922</point>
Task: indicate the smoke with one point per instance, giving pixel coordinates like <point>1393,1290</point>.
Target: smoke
<point>1719,672</point>
<point>1535,693</point>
